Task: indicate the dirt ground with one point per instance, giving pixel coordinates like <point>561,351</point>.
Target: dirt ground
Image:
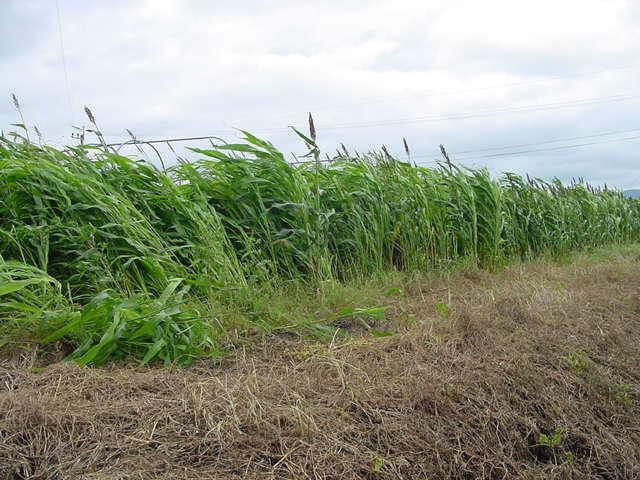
<point>529,372</point>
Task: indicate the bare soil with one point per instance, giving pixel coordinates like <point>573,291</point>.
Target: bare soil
<point>482,366</point>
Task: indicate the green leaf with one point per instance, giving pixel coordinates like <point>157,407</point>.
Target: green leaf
<point>168,291</point>
<point>153,350</point>
<point>16,285</point>
<point>210,153</point>
<point>393,291</point>
<point>344,311</point>
<point>375,312</point>
<point>306,139</point>
<point>380,333</point>
<point>67,328</point>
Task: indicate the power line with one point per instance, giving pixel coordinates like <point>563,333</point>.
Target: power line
<point>633,183</point>
<point>431,94</point>
<point>64,62</point>
<point>531,144</point>
<point>463,158</point>
<point>555,105</point>
<point>486,112</point>
<point>482,113</point>
<point>562,147</point>
<point>507,85</point>
<point>495,155</point>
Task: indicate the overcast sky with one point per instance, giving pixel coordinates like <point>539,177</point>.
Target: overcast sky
<point>473,75</point>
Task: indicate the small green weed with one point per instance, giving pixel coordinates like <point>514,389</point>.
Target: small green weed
<point>553,440</point>
<point>377,463</point>
<point>393,292</point>
<point>623,395</point>
<point>580,362</point>
<point>411,319</point>
<point>442,308</point>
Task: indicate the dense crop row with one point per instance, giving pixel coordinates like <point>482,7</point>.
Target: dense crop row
<point>117,257</point>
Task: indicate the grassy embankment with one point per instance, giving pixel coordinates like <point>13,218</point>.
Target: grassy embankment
<point>105,256</point>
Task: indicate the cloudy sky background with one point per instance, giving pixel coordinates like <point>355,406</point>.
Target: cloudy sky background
<point>471,75</point>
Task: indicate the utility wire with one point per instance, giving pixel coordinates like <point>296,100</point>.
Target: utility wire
<point>504,85</point>
<point>463,158</point>
<point>531,144</point>
<point>562,147</point>
<point>342,105</point>
<point>483,113</point>
<point>64,63</point>
<point>633,183</point>
<point>487,112</point>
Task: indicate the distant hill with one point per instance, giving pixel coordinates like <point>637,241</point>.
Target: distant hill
<point>634,193</point>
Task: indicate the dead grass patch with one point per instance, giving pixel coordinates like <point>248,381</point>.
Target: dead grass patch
<point>534,352</point>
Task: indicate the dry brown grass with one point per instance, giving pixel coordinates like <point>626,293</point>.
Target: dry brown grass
<point>461,393</point>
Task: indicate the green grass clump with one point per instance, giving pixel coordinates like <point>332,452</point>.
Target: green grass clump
<point>118,258</point>
<point>141,327</point>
